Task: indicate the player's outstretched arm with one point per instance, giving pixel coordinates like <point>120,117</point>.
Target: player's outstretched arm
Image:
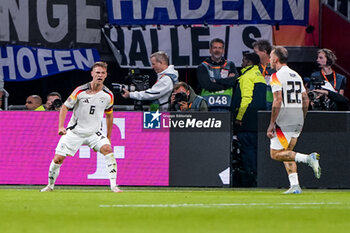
<point>63,114</point>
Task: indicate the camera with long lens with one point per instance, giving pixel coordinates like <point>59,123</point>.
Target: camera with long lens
<point>118,88</point>
<point>56,104</point>
<point>135,82</point>
<point>180,97</point>
<point>319,101</point>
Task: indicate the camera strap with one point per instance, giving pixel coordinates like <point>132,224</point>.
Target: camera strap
<point>223,66</point>
<point>264,72</point>
<point>334,79</point>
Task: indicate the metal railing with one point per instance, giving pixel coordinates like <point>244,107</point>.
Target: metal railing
<point>342,7</point>
<point>5,100</point>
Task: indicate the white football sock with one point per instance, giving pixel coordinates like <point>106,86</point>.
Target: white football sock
<point>111,164</point>
<point>54,171</point>
<point>301,158</point>
<point>293,179</point>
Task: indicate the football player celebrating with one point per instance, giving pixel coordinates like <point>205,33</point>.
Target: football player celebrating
<point>89,102</point>
<point>289,108</point>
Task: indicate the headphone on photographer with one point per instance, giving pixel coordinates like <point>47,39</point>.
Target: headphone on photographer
<point>330,56</point>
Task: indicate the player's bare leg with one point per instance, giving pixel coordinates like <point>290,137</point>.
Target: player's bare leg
<point>111,164</point>
<point>291,169</point>
<point>287,156</point>
<point>283,155</point>
<point>290,156</point>
<point>54,171</point>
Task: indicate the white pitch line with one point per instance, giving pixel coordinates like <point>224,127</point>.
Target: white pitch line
<point>202,205</point>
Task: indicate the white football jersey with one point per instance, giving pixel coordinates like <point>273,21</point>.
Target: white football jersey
<point>291,84</point>
<point>88,109</point>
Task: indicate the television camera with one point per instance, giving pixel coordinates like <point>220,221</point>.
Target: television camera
<point>135,82</point>
<point>319,101</point>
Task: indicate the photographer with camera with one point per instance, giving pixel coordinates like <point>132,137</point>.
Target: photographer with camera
<point>160,92</point>
<point>184,98</point>
<point>325,59</point>
<point>136,82</point>
<point>53,102</point>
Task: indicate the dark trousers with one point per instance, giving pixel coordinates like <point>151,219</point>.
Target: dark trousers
<point>249,149</point>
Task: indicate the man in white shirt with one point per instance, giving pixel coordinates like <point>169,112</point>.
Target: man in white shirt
<point>160,92</point>
<point>89,102</point>
<point>289,108</point>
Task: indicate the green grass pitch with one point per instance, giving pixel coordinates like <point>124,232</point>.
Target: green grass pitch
<point>86,209</point>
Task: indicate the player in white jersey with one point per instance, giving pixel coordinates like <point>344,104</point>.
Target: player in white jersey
<point>89,102</point>
<point>289,108</point>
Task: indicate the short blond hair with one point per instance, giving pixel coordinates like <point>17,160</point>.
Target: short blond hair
<point>99,64</point>
<point>282,54</point>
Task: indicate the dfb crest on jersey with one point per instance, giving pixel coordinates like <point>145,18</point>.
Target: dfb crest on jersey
<point>151,120</point>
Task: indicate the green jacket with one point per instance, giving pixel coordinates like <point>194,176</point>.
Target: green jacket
<point>249,97</point>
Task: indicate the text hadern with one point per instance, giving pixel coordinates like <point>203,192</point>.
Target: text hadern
<point>295,6</point>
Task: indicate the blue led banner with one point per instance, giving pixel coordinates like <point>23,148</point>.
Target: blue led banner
<point>177,12</point>
<point>19,63</point>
